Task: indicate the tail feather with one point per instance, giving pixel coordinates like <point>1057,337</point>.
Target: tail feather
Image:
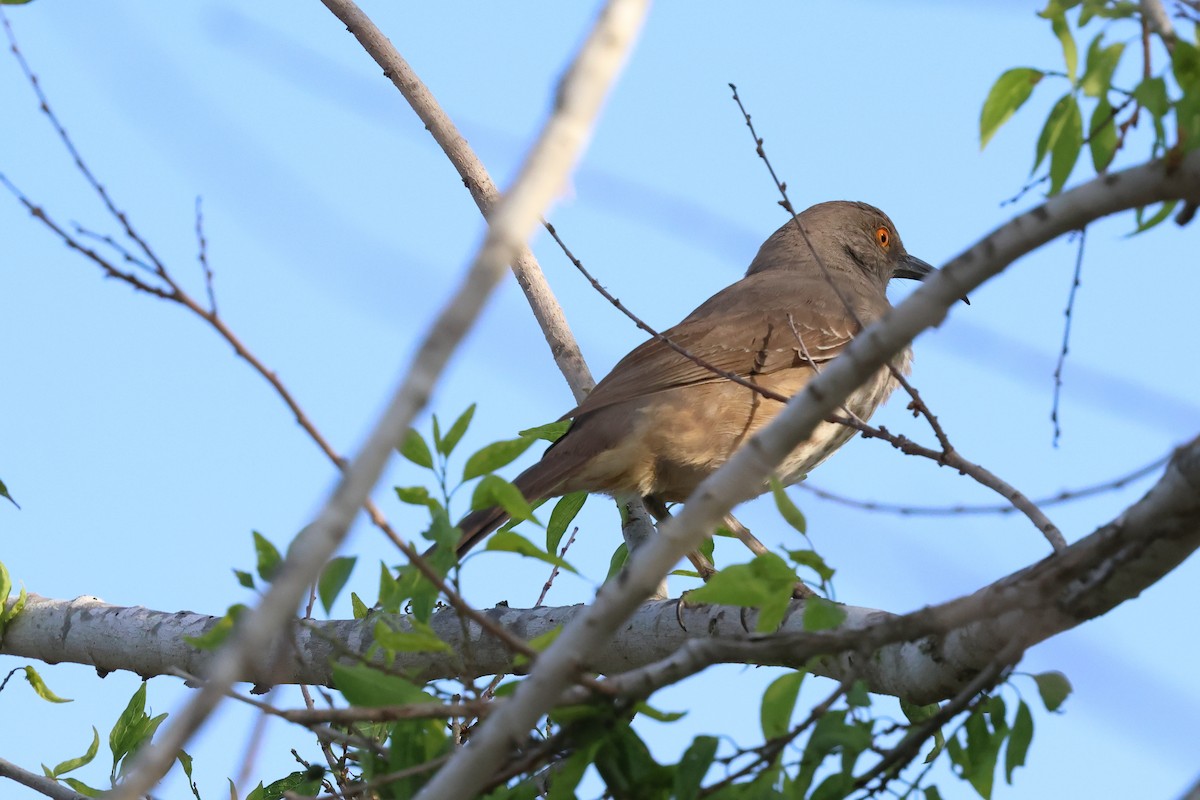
<point>536,483</point>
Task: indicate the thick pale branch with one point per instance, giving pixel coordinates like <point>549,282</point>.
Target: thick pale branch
<point>743,476</point>
<point>544,171</point>
<point>924,656</point>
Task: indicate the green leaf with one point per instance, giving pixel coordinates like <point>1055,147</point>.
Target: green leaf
<point>932,793</point>
<point>628,769</point>
<point>1156,218</point>
<point>363,686</point>
<point>416,496</point>
<point>1049,130</point>
<point>567,775</point>
<point>617,561</point>
<point>1185,64</point>
<point>267,556</point>
<point>1152,94</point>
<point>14,2</point>
<point>416,450</point>
<point>4,493</point>
<point>421,639</point>
<point>787,509</point>
<point>810,559</point>
<point>1067,141</point>
<point>245,579</point>
<point>1101,63</point>
<point>1018,741</point>
<point>494,456</point>
<point>647,710</point>
<point>358,607</point>
<point>216,635</point>
<point>1102,135</point>
<point>5,586</point>
<point>1008,93</point>
<point>513,542</point>
<point>550,432</point>
<point>79,786</point>
<point>72,764</point>
<point>778,703</point>
<point>564,513</point>
<point>454,435</point>
<point>305,783</point>
<point>133,729</point>
<point>766,583</point>
<point>821,614</point>
<point>495,491</point>
<point>333,579</point>
<point>982,752</point>
<point>538,643</point>
<point>693,766</point>
<point>1058,23</point>
<point>1054,688</point>
<point>40,688</point>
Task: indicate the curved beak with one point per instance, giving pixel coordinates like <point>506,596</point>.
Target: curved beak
<point>912,268</point>
<point>915,269</point>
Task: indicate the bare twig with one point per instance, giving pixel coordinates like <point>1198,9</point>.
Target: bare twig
<point>1067,495</point>
<point>949,456</point>
<point>202,257</point>
<point>1066,340</point>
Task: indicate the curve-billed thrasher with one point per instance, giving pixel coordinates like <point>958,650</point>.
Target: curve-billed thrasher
<point>660,423</point>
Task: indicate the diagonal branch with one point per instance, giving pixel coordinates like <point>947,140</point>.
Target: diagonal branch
<point>742,476</point>
<point>576,108</point>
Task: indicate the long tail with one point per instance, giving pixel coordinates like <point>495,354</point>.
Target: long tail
<point>536,483</point>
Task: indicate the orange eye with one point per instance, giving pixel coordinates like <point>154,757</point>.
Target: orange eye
<point>884,237</point>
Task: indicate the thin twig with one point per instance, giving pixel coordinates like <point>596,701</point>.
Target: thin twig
<point>1066,339</point>
<point>202,256</point>
<point>949,456</point>
<point>1065,496</point>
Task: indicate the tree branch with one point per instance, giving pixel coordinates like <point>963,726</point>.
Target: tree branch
<point>924,656</point>
<point>742,476</point>
<point>577,105</point>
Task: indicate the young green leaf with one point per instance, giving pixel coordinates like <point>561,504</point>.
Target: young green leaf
<point>1152,94</point>
<point>513,542</point>
<point>564,513</point>
<point>1101,63</point>
<point>617,561</point>
<point>4,493</point>
<point>1054,688</point>
<point>1051,129</point>
<point>454,435</point>
<point>1018,741</point>
<point>333,578</point>
<point>787,509</point>
<point>268,558</point>
<point>821,614</point>
<point>40,688</point>
<point>72,764</point>
<point>1102,135</point>
<point>778,703</point>
<point>766,583</point>
<point>364,686</point>
<point>495,491</point>
<point>1058,23</point>
<point>1008,93</point>
<point>416,450</point>
<point>1144,224</point>
<point>420,639</point>
<point>693,766</point>
<point>810,559</point>
<point>494,456</point>
<point>244,579</point>
<point>357,607</point>
<point>300,784</point>
<point>1066,142</point>
<point>77,785</point>
<point>550,432</point>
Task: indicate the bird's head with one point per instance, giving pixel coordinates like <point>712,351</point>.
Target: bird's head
<point>845,237</point>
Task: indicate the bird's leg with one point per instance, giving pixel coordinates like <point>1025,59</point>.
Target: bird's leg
<point>637,528</point>
<point>703,566</point>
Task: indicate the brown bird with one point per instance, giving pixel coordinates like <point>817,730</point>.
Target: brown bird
<point>660,423</point>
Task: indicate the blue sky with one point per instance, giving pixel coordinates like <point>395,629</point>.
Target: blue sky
<point>143,452</point>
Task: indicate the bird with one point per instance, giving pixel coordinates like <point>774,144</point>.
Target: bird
<point>659,423</point>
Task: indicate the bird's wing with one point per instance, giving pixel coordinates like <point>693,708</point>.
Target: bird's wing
<point>744,330</point>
